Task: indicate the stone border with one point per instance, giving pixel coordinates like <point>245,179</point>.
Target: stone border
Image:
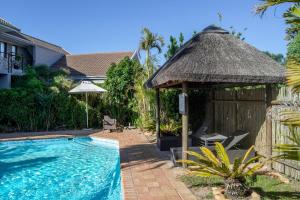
<point>219,194</point>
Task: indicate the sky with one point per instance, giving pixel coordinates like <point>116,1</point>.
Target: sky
<point>90,26</point>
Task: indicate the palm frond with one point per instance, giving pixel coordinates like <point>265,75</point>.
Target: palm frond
<point>236,165</point>
<point>209,164</point>
<point>201,174</point>
<point>293,75</point>
<point>290,118</point>
<point>196,155</point>
<point>292,16</point>
<point>254,169</point>
<point>247,154</point>
<point>249,162</point>
<point>222,155</point>
<point>188,162</point>
<point>261,8</point>
<point>210,156</point>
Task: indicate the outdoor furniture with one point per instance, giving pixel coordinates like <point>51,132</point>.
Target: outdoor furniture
<point>202,130</point>
<point>210,139</point>
<point>86,87</point>
<point>229,143</point>
<point>109,123</point>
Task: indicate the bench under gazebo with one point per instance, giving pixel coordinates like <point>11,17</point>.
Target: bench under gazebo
<point>214,60</point>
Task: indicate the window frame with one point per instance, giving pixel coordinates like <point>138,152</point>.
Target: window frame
<point>4,53</point>
<point>13,54</point>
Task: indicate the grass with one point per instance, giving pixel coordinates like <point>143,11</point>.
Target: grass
<point>197,181</point>
<point>271,188</point>
<point>266,186</point>
<point>200,186</point>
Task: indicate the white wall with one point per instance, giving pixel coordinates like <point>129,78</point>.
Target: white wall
<point>43,56</point>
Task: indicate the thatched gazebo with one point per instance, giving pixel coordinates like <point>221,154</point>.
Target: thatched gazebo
<point>216,58</point>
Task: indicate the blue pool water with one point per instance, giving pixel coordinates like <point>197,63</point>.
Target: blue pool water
<point>83,168</point>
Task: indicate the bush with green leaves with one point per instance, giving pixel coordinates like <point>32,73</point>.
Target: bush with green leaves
<point>234,173</point>
<point>120,86</point>
<point>39,100</point>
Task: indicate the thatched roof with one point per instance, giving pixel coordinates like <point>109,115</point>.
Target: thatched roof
<point>214,56</point>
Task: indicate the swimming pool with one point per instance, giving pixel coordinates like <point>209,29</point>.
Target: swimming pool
<point>80,168</point>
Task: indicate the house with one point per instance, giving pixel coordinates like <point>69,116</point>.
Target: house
<point>91,67</point>
<point>18,50</point>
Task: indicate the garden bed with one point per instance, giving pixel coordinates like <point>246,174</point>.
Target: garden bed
<point>267,187</point>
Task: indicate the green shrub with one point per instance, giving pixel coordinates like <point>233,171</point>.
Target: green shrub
<point>121,79</point>
<point>40,101</point>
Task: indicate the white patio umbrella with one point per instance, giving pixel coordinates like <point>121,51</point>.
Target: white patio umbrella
<point>86,87</point>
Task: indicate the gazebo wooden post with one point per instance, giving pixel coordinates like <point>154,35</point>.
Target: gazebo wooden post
<point>269,123</point>
<point>157,114</point>
<point>185,124</point>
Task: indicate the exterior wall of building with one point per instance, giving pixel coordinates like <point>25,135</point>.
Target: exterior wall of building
<point>5,81</point>
<point>43,56</point>
<point>21,51</point>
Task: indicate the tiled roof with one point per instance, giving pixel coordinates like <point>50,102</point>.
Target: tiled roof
<point>45,44</point>
<point>90,64</point>
<point>6,23</point>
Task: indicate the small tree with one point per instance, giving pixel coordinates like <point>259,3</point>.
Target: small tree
<point>148,42</point>
<point>234,173</point>
<point>120,83</point>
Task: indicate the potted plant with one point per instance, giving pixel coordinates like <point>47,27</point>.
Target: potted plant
<point>170,135</point>
<point>208,164</point>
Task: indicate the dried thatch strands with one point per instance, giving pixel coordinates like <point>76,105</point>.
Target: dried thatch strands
<point>214,56</point>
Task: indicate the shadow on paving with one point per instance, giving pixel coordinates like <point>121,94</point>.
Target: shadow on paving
<point>135,155</point>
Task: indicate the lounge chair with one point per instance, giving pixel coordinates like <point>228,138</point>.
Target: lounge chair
<point>202,130</point>
<point>109,123</point>
<point>229,144</point>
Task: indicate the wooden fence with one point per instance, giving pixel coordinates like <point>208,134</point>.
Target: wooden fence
<point>246,110</point>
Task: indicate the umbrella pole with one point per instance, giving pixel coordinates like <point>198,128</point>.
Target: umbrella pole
<point>86,110</point>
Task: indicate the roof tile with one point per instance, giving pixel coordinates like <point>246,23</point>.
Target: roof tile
<point>90,64</point>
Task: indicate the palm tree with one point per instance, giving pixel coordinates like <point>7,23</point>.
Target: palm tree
<point>289,118</point>
<point>148,42</point>
<point>292,15</point>
<point>207,164</point>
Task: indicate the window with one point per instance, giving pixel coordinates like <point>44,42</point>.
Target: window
<point>13,52</point>
<point>2,49</point>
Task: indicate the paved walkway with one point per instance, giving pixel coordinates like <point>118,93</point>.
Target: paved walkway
<point>147,173</point>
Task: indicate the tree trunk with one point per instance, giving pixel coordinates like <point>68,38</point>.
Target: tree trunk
<point>149,70</point>
<point>235,188</point>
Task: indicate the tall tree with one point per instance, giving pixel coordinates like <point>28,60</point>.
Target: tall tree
<point>148,42</point>
<point>292,14</point>
<point>120,83</point>
<point>173,46</point>
<point>277,57</point>
<point>290,118</point>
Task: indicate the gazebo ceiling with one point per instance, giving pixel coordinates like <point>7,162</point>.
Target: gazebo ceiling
<point>214,56</point>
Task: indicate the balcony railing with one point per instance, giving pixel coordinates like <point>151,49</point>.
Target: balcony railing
<point>13,64</point>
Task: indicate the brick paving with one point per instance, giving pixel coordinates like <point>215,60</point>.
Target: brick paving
<point>147,173</point>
